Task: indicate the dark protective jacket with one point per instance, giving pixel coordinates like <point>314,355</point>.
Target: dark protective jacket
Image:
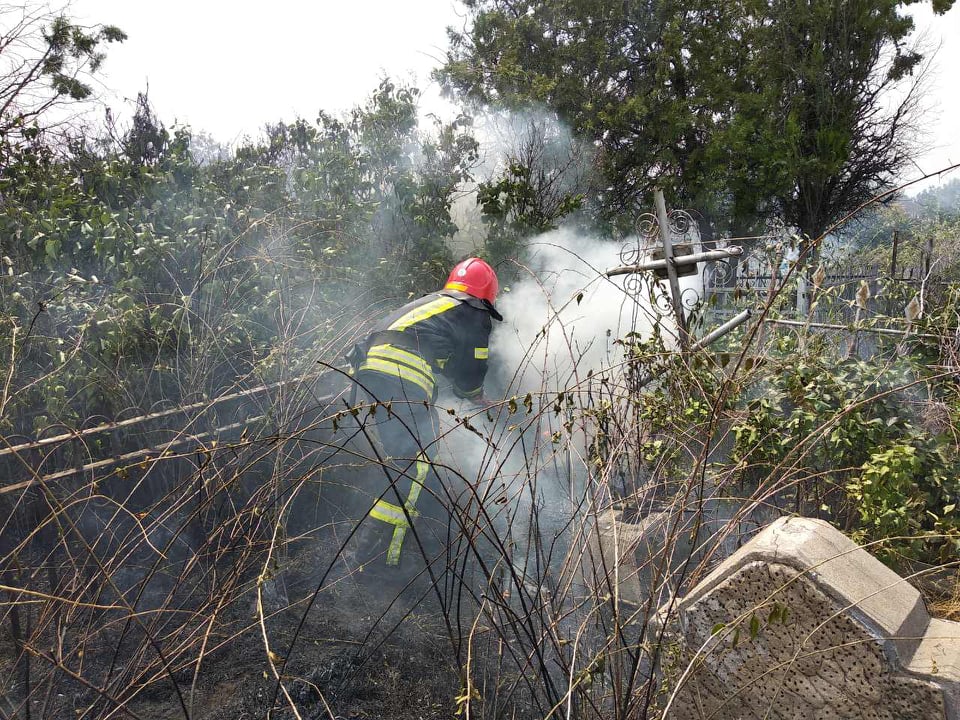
<point>446,332</point>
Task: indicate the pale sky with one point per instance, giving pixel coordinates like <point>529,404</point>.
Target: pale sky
<point>228,68</point>
<point>943,98</point>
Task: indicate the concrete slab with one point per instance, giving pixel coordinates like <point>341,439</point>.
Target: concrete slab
<point>883,600</point>
<point>803,623</point>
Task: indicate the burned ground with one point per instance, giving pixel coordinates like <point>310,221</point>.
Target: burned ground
<point>181,594</point>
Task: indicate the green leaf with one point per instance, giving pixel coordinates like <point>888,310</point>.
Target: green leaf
<point>52,248</point>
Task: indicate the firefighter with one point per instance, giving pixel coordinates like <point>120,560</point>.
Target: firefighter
<point>445,333</point>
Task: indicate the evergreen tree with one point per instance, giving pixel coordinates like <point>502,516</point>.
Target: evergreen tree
<point>743,110</point>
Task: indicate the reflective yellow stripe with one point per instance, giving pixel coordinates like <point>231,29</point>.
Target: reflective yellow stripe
<point>455,286</point>
<point>472,393</point>
<point>394,514</point>
<point>396,543</point>
<point>434,307</point>
<point>389,352</point>
<point>417,486</point>
<point>481,353</point>
<point>394,369</point>
<point>389,513</point>
<point>399,532</point>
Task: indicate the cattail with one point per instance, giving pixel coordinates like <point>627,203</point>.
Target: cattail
<point>912,311</point>
<point>863,294</point>
<point>819,276</point>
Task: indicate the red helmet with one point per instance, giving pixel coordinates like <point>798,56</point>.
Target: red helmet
<point>474,277</point>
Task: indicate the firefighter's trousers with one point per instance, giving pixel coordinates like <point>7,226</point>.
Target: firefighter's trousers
<point>405,519</point>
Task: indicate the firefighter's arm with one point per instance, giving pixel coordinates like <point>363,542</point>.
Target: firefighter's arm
<point>468,374</point>
<point>469,367</point>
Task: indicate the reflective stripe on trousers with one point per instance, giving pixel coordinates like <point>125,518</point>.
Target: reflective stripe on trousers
<point>397,516</point>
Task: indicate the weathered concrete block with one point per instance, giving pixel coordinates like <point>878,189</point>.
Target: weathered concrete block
<point>619,545</point>
<point>803,623</point>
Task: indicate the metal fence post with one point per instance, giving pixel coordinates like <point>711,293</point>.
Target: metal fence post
<point>664,222</point>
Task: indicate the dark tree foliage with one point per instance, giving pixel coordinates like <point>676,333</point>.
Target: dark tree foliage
<point>596,65</point>
<point>824,110</point>
<point>743,110</point>
<point>147,140</point>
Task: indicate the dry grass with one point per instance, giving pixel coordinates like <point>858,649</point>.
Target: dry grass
<point>946,604</point>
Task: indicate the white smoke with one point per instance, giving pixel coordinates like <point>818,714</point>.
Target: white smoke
<point>563,323</point>
<point>564,318</point>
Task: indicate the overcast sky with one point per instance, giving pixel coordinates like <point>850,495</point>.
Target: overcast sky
<point>228,67</point>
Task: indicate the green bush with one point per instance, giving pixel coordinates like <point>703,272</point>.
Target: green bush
<point>906,497</point>
<point>844,439</point>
